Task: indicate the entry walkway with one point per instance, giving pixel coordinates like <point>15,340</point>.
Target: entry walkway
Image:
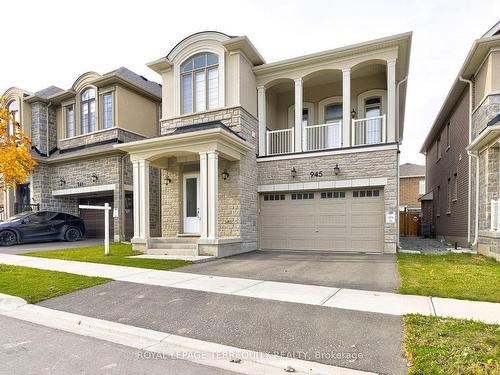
<point>351,299</point>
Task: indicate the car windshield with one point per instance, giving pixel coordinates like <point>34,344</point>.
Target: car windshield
<point>22,215</point>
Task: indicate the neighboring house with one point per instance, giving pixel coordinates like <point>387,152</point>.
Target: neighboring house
<point>411,186</point>
<point>73,133</point>
<point>300,154</point>
<point>462,152</point>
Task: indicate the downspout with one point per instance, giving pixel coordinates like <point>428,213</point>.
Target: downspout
<point>476,223</point>
<point>397,173</point>
<point>469,192</point>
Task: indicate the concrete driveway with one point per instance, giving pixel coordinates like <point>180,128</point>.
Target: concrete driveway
<point>355,271</point>
<point>46,246</point>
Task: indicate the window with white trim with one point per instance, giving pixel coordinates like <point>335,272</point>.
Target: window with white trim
<point>301,196</point>
<point>365,193</point>
<point>200,83</point>
<point>274,197</point>
<point>88,111</point>
<point>421,186</point>
<point>332,194</point>
<point>107,110</point>
<point>13,107</point>
<point>455,186</point>
<point>69,118</point>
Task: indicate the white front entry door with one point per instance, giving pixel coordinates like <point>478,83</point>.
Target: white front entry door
<point>192,217</point>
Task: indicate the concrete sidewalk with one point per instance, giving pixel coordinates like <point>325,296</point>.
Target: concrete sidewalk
<point>351,299</point>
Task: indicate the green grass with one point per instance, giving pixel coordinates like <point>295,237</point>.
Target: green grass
<point>461,276</point>
<point>118,254</point>
<point>35,285</point>
<point>446,346</point>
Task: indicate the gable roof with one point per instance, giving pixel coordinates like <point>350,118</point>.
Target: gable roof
<point>136,79</point>
<point>411,170</point>
<point>48,91</point>
<point>478,52</point>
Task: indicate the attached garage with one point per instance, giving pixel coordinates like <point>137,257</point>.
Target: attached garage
<point>94,219</point>
<point>344,221</point>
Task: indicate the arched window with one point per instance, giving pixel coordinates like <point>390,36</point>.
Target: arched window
<point>200,83</point>
<point>87,108</point>
<point>13,107</point>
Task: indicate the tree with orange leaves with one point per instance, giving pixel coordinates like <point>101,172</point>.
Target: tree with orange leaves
<point>16,162</point>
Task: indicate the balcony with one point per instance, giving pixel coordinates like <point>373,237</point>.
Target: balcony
<point>328,109</point>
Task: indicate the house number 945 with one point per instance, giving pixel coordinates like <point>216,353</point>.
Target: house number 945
<point>316,174</point>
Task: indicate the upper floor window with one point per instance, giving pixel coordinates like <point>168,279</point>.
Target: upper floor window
<point>200,83</point>
<point>421,186</point>
<point>448,136</point>
<point>69,112</point>
<point>438,148</point>
<point>13,107</point>
<point>88,110</point>
<point>107,110</point>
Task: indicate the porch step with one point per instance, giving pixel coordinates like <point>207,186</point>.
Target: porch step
<point>172,251</point>
<point>170,240</point>
<point>173,245</point>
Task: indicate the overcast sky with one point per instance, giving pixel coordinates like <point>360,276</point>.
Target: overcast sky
<point>53,42</point>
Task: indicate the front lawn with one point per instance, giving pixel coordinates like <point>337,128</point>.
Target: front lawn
<point>462,276</point>
<point>445,346</point>
<point>35,285</point>
<point>118,253</point>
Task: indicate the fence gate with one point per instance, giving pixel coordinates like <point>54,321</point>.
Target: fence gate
<point>409,223</point>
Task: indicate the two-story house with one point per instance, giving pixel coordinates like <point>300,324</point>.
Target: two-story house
<point>300,154</point>
<point>72,136</point>
<point>462,152</point>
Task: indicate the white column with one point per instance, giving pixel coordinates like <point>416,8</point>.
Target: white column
<point>298,114</point>
<point>144,199</point>
<point>137,212</point>
<point>391,100</point>
<point>212,183</point>
<point>346,107</point>
<point>203,194</point>
<point>261,104</point>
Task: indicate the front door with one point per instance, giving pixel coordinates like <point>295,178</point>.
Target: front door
<point>192,218</point>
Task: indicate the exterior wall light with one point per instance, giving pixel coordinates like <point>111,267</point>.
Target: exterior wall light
<point>336,170</point>
<point>94,178</point>
<point>293,172</point>
<point>225,174</point>
<point>167,180</point>
<point>353,113</point>
<point>62,182</point>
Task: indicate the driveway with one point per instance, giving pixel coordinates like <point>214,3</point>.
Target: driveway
<point>355,271</point>
<point>46,246</point>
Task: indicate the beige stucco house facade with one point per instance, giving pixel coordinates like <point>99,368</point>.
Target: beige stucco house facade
<point>300,154</point>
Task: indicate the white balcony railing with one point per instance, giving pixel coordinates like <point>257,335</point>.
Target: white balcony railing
<point>367,131</point>
<point>280,141</point>
<point>495,212</point>
<point>324,136</point>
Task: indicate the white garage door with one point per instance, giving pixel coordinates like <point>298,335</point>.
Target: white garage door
<point>348,220</point>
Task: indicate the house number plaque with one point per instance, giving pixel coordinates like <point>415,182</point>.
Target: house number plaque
<point>313,174</point>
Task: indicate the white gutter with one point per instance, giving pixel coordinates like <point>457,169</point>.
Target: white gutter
<point>469,188</point>
<point>397,160</point>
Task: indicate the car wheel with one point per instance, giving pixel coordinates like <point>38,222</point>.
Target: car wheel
<point>7,238</point>
<point>72,234</point>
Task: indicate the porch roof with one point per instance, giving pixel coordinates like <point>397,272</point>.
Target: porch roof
<point>189,140</point>
<point>489,136</point>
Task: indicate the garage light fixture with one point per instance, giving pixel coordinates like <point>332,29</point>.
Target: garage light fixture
<point>225,174</point>
<point>62,182</point>
<point>353,113</point>
<point>94,177</point>
<point>167,180</point>
<point>336,170</point>
<point>293,172</point>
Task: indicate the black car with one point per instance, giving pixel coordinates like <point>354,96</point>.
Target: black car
<point>40,226</point>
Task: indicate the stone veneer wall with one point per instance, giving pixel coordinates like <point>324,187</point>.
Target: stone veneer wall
<point>237,210</point>
<point>123,136</point>
<point>489,180</point>
<point>356,165</point>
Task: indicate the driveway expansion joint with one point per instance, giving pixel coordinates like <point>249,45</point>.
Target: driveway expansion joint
<point>330,297</point>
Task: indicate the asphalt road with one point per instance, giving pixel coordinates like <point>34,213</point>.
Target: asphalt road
<point>353,339</point>
<point>27,348</point>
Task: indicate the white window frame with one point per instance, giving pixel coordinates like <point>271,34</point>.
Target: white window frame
<point>187,54</point>
<point>112,94</point>
<point>65,119</point>
<point>97,120</point>
<point>421,186</point>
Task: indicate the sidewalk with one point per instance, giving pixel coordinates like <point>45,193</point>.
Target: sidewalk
<point>351,299</point>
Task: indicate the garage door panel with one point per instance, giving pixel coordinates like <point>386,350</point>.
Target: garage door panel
<point>340,223</point>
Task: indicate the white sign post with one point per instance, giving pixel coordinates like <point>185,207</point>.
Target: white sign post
<point>106,209</point>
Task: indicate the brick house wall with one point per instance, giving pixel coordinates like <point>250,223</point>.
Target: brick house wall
<point>450,222</point>
<point>409,191</point>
